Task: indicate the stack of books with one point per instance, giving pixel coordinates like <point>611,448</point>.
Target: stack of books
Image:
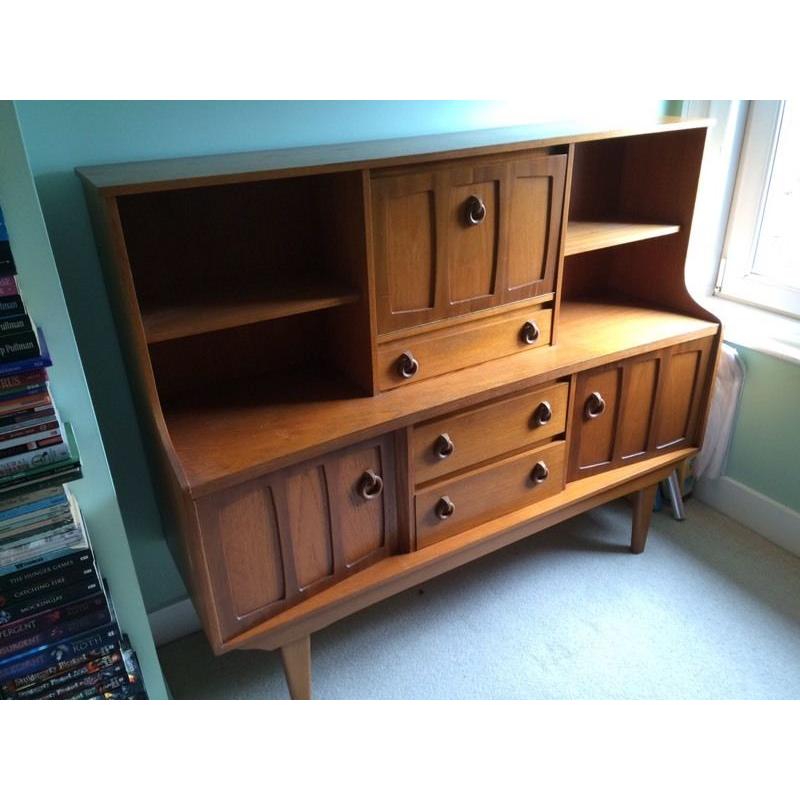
<point>59,637</point>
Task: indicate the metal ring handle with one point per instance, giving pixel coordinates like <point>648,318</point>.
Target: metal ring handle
<point>595,405</point>
<point>445,508</point>
<point>543,413</point>
<point>539,472</point>
<point>476,210</point>
<point>529,332</point>
<point>371,485</point>
<point>444,446</point>
<point>407,365</point>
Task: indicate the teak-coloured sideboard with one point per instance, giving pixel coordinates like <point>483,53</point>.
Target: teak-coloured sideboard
<point>360,366</point>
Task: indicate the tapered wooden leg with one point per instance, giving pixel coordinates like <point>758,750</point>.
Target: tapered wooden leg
<point>296,657</point>
<point>642,511</point>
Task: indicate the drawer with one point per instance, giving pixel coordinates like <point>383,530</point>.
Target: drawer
<point>453,506</point>
<point>459,441</point>
<point>426,355</point>
<point>454,238</point>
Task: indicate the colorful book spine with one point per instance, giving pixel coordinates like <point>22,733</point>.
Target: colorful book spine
<point>8,285</point>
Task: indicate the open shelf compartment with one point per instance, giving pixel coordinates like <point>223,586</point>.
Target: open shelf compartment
<point>584,236</point>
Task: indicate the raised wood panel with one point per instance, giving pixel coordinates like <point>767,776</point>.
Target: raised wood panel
<point>685,385</point>
<point>461,346</point>
<point>594,436</point>
<point>487,431</point>
<point>641,382</point>
<point>361,522</point>
<point>410,252</point>
<point>472,249</point>
<point>311,531</point>
<point>530,217</point>
<point>488,492</point>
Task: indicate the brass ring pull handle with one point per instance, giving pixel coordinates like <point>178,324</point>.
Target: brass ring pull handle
<point>444,446</point>
<point>595,405</point>
<point>445,508</point>
<point>529,332</point>
<point>407,365</point>
<point>539,472</point>
<point>371,485</point>
<point>476,210</point>
<point>543,414</point>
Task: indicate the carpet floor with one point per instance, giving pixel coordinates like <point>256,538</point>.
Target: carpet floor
<point>710,610</point>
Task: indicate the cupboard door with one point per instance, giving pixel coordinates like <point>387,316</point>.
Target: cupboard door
<point>273,541</point>
<point>594,420</point>
<point>535,206</point>
<point>685,385</point>
<point>405,245</point>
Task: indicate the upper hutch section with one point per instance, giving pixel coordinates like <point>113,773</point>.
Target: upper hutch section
<point>271,303</point>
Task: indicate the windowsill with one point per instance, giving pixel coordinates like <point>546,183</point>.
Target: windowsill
<point>757,328</point>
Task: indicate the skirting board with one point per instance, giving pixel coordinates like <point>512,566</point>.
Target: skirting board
<point>774,521</point>
<point>173,622</point>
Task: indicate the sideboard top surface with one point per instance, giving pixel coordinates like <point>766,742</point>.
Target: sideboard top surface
<point>187,172</point>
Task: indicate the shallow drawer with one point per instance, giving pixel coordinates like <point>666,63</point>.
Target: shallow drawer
<point>453,506</point>
<point>414,358</point>
<point>452,443</point>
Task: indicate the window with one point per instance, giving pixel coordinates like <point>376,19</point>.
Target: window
<point>760,261</point>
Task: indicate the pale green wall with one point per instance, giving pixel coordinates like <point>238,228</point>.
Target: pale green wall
<point>62,135</point>
<point>41,289</point>
<point>765,452</point>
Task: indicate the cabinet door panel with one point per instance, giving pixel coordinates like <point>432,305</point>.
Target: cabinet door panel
<point>536,202</point>
<point>641,382</point>
<point>362,521</point>
<point>684,384</point>
<point>593,436</point>
<point>311,531</point>
<point>472,249</point>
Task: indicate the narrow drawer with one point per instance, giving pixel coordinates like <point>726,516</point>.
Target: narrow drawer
<point>459,441</point>
<point>426,355</point>
<point>453,506</point>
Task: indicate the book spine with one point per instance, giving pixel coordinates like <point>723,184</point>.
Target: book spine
<point>34,459</point>
<point>36,376</point>
<point>23,435</point>
<point>83,576</point>
<point>11,305</point>
<point>40,544</point>
<point>8,285</point>
<point>7,265</point>
<point>18,346</point>
<point>15,324</point>
<point>48,440</point>
<point>67,566</point>
<point>87,646</point>
<point>43,557</point>
<point>47,602</point>
<point>64,686</point>
<point>32,506</point>
<point>69,620</point>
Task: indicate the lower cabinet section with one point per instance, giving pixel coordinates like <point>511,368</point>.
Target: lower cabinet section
<point>454,505</point>
<point>638,407</point>
<point>273,541</point>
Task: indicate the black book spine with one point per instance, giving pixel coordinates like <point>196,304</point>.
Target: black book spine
<point>7,265</point>
<point>52,626</point>
<point>54,583</point>
<point>15,324</point>
<point>16,346</point>
<point>70,565</point>
<point>11,305</point>
<point>30,668</point>
<point>47,602</point>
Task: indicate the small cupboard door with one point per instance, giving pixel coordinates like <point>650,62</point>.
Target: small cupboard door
<point>637,407</point>
<point>452,240</point>
<point>275,540</point>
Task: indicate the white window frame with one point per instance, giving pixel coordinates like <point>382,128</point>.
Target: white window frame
<point>736,279</point>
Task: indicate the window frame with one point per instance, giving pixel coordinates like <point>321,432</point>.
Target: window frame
<point>736,279</point>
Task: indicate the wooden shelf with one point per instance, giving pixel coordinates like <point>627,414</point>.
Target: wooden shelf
<point>242,305</point>
<point>249,428</point>
<point>584,236</point>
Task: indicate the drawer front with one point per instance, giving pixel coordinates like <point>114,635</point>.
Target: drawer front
<point>450,240</point>
<point>462,440</point>
<point>427,355</point>
<point>273,541</point>
<point>456,505</point>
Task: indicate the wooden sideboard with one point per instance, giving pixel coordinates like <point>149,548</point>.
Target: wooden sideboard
<point>360,366</point>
